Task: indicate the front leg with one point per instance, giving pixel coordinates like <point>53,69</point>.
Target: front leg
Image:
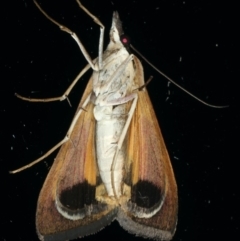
<point>78,41</point>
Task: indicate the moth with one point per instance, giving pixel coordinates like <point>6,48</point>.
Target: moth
<point>113,163</point>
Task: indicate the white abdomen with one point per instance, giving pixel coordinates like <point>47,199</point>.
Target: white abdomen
<point>108,131</point>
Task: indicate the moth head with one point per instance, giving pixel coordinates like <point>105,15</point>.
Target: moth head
<point>116,29</point>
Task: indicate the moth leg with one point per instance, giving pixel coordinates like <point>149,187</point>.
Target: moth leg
<point>102,28</point>
<point>134,96</point>
<point>122,137</point>
<point>83,50</point>
<point>74,36</point>
<point>65,94</point>
<point>65,139</point>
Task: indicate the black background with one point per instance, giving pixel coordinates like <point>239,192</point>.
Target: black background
<point>193,42</point>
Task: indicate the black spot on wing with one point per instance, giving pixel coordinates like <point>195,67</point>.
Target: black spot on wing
<point>78,196</point>
<point>146,195</point>
<point>80,200</point>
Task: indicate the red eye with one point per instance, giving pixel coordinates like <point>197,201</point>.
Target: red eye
<point>125,40</point>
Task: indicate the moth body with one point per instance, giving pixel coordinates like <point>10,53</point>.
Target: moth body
<point>109,89</point>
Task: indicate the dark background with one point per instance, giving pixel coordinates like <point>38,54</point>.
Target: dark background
<point>41,61</point>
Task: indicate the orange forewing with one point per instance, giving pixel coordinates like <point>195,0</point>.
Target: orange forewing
<point>74,164</point>
<point>150,164</point>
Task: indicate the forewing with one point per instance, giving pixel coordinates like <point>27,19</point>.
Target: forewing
<point>70,187</point>
<point>152,210</point>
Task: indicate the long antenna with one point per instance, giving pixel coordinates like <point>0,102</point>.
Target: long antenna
<point>172,81</point>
